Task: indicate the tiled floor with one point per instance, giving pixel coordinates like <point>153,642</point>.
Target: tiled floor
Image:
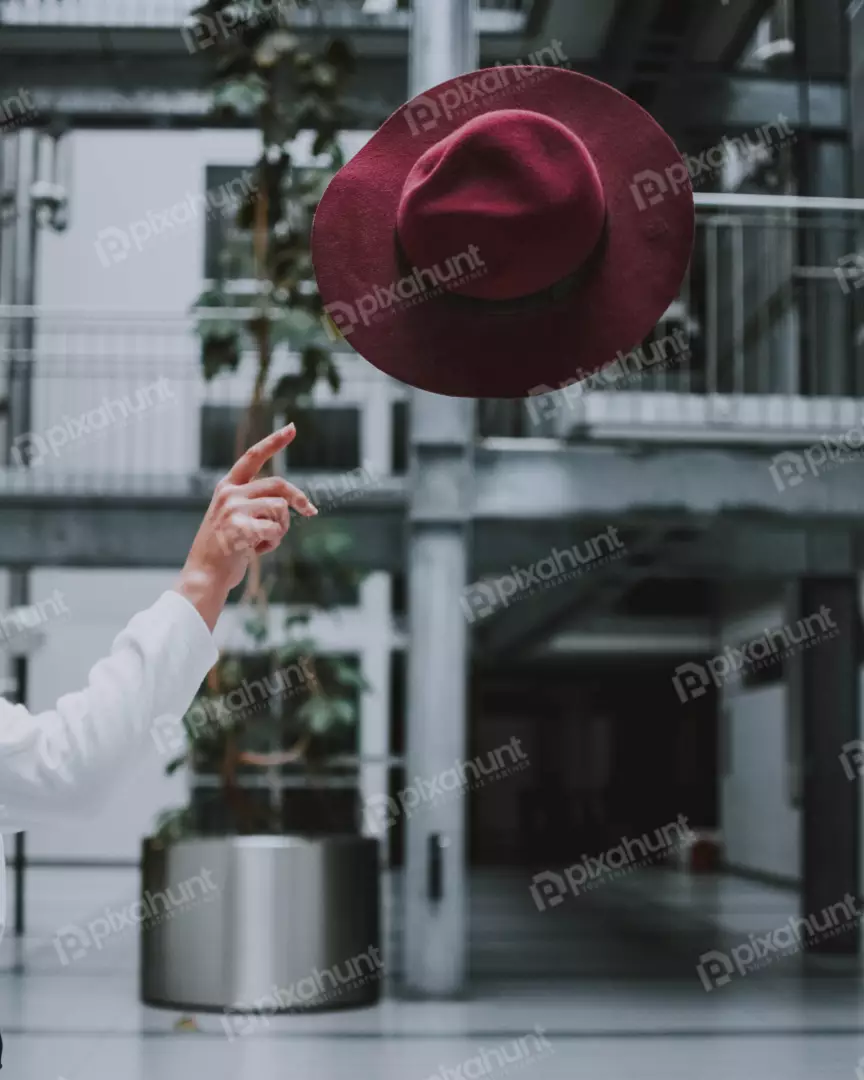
<point>610,978</point>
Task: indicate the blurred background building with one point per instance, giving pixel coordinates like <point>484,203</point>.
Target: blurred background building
<point>639,689</point>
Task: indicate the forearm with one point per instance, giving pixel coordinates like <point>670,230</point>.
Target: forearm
<point>205,592</point>
<point>55,760</point>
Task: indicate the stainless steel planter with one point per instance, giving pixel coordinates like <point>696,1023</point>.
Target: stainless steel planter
<point>257,925</point>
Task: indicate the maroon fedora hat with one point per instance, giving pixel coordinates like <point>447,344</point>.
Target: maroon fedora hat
<point>512,229</point>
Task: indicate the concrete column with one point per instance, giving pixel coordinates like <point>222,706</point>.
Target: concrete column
<point>443,45</point>
<point>856,90</point>
<point>856,119</point>
<point>375,708</point>
<point>826,679</point>
<point>23,250</point>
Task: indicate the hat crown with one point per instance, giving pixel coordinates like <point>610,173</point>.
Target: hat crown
<point>515,190</point>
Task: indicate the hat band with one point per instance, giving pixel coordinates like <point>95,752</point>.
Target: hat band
<point>552,294</point>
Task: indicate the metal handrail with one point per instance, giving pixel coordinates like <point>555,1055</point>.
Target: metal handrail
<point>738,201</point>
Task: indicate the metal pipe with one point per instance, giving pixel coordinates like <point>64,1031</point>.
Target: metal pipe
<point>444,45</point>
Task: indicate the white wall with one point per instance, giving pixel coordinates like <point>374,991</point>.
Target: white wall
<point>119,178</point>
<point>760,825</point>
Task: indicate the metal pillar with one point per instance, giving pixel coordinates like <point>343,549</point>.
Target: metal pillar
<point>856,120</point>
<point>443,45</point>
<point>825,678</point>
<point>24,240</point>
<point>856,90</point>
<point>856,115</point>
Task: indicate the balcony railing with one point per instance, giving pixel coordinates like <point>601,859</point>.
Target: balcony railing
<point>765,344</point>
<point>766,341</point>
<point>156,14</point>
<point>118,403</point>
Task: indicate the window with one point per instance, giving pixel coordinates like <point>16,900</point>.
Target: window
<point>330,438</point>
<point>228,251</point>
<point>219,424</point>
<point>399,428</point>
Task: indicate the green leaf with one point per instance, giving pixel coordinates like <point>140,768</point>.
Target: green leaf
<point>274,47</point>
<point>231,674</point>
<point>305,646</point>
<point>349,675</point>
<point>343,711</point>
<point>174,765</point>
<point>256,628</point>
<point>296,618</point>
<point>241,96</point>
<point>291,388</point>
<point>334,378</point>
<point>316,715</point>
<point>220,354</point>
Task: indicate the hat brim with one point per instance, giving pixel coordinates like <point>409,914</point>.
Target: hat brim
<point>460,350</point>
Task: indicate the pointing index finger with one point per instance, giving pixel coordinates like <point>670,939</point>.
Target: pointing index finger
<point>248,466</point>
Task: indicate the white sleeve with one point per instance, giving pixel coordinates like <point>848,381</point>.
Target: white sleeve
<point>60,761</point>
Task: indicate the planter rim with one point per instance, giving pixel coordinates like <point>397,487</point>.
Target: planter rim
<point>263,841</point>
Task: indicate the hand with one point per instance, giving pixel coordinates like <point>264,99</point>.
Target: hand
<point>246,516</point>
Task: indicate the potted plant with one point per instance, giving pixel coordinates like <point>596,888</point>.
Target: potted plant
<point>290,915</point>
